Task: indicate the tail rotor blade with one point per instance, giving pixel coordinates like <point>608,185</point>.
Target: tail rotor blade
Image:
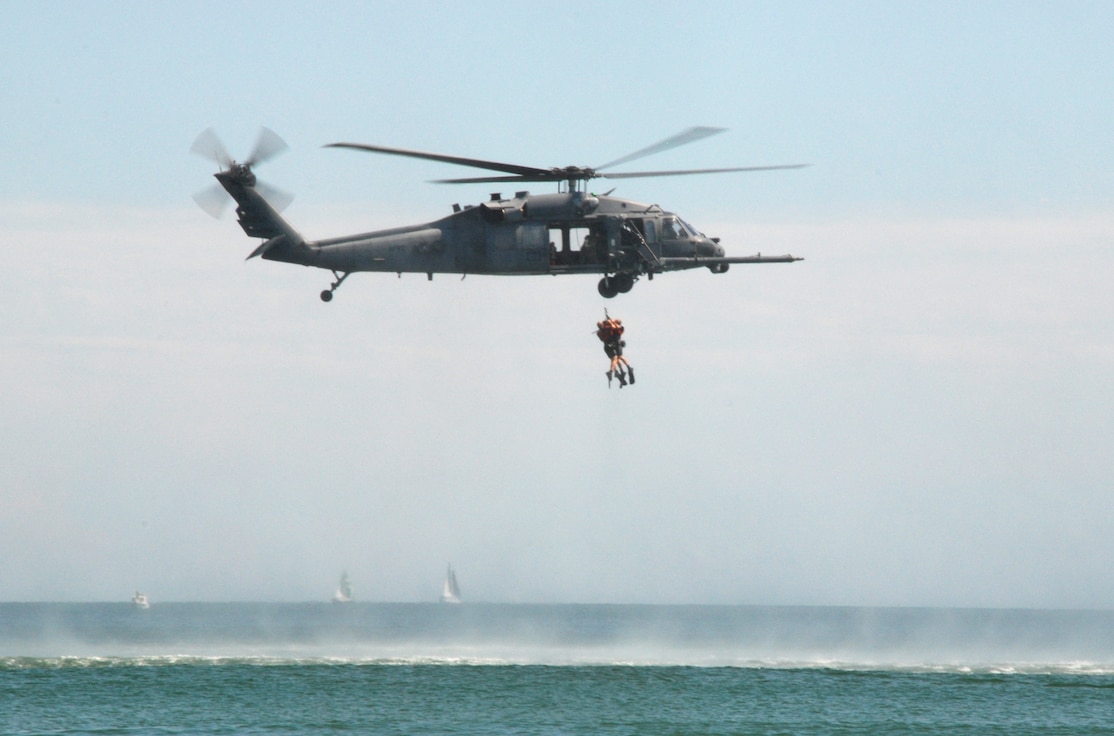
<point>214,200</point>
<point>208,145</point>
<point>276,197</point>
<point>267,146</point>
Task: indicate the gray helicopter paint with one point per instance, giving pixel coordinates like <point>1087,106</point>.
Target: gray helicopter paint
<point>624,240</point>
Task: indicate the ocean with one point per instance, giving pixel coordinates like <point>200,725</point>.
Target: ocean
<point>216,668</point>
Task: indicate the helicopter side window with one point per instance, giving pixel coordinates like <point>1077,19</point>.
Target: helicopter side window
<point>593,248</point>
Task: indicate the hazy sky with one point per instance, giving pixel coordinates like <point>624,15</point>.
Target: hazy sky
<point>919,413</point>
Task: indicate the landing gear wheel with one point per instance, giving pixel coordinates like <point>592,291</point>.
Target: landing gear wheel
<point>327,295</point>
<point>623,282</point>
<point>607,288</point>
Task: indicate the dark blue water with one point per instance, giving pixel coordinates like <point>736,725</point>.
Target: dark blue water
<point>406,669</point>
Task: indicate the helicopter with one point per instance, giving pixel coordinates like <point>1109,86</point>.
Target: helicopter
<point>618,239</point>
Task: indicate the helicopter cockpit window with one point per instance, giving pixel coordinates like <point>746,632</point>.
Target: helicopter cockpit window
<point>672,229</point>
<point>690,228</point>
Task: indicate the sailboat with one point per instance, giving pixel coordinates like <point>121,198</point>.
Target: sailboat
<point>139,600</point>
<point>344,590</point>
<point>451,593</point>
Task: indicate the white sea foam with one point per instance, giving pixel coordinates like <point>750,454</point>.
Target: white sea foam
<point>898,640</point>
<point>584,659</point>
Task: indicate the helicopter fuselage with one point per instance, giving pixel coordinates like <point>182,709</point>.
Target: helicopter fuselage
<point>527,234</point>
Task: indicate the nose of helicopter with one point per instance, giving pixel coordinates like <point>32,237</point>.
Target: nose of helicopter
<point>709,247</point>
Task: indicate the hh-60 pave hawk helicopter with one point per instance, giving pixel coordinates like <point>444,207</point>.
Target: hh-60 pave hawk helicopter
<point>617,238</point>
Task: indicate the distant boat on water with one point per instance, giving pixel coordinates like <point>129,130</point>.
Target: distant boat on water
<point>139,600</point>
<point>344,590</point>
<point>451,593</point>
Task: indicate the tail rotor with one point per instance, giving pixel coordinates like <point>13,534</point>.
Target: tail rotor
<point>268,144</point>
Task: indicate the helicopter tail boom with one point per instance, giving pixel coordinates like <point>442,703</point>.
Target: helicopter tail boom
<point>259,219</point>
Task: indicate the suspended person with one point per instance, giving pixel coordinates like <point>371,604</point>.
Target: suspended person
<point>610,332</point>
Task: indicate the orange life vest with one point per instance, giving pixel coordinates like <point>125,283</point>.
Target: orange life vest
<point>609,331</point>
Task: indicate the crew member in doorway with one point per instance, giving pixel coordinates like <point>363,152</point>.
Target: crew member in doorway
<point>610,333</point>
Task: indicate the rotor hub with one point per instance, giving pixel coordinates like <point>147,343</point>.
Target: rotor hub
<point>242,173</point>
<point>574,173</point>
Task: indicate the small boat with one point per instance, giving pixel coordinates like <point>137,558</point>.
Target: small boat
<point>451,593</point>
<point>344,590</point>
<point>139,600</point>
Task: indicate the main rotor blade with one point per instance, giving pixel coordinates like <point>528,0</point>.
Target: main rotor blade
<point>500,179</point>
<point>208,145</point>
<point>268,145</point>
<point>685,136</point>
<point>685,172</point>
<point>560,175</point>
<point>458,160</point>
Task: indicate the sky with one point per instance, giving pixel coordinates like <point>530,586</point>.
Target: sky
<point>917,414</point>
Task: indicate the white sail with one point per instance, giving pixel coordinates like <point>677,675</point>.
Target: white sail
<point>344,590</point>
<point>451,592</point>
